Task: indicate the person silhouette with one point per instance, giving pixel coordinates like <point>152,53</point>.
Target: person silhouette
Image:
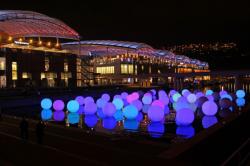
<point>24,126</point>
<point>40,131</point>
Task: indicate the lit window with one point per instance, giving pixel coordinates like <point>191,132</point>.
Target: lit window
<point>66,66</point>
<point>105,70</point>
<point>26,75</point>
<point>14,70</point>
<point>42,76</point>
<point>2,63</point>
<point>46,66</point>
<point>127,69</point>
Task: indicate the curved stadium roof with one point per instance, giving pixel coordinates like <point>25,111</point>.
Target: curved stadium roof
<point>18,23</point>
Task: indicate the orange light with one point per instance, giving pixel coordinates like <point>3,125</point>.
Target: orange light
<point>30,41</point>
<point>57,44</point>
<point>40,42</point>
<point>49,44</point>
<point>20,39</point>
<point>10,38</point>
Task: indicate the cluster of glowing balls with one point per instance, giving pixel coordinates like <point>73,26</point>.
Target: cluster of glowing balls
<point>58,105</point>
<point>46,103</point>
<point>109,109</point>
<point>130,112</point>
<point>73,106</point>
<point>156,113</point>
<point>240,93</point>
<point>209,108</point>
<point>184,116</point>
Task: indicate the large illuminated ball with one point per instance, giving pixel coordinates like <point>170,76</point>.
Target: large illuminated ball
<point>130,112</point>
<point>124,95</point>
<point>118,102</point>
<point>131,124</point>
<point>240,93</point>
<point>90,120</point>
<point>73,118</point>
<point>208,121</point>
<point>147,98</point>
<point>109,109</point>
<point>164,99</point>
<point>101,103</point>
<point>46,114</point>
<point>191,98</point>
<point>222,92</point>
<point>156,113</point>
<point>172,92</point>
<point>109,123</point>
<point>73,106</point>
<point>209,108</point>
<point>138,104</point>
<point>184,116</point>
<point>158,103</point>
<point>59,116</point>
<point>176,96</point>
<point>58,105</point>
<point>185,131</point>
<point>46,103</point>
<point>88,100</point>
<point>90,108</point>
<point>80,100</point>
<point>105,97</point>
<point>156,129</point>
<point>209,92</point>
<point>240,102</point>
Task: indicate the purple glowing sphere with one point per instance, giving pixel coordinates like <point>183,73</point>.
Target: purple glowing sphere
<point>58,116</point>
<point>58,105</point>
<point>109,109</point>
<point>88,100</point>
<point>156,113</point>
<point>80,100</point>
<point>90,108</point>
<point>184,117</point>
<point>158,103</point>
<point>105,97</point>
<point>209,108</point>
<point>138,104</point>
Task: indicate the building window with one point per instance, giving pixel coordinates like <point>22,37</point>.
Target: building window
<point>26,75</point>
<point>42,76</point>
<point>2,63</point>
<point>66,66</point>
<point>14,70</point>
<point>46,62</point>
<point>127,69</point>
<point>105,70</point>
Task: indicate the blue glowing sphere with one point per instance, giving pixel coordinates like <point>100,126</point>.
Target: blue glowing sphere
<point>138,104</point>
<point>153,91</point>
<point>100,113</point>
<point>59,116</point>
<point>209,108</point>
<point>130,112</point>
<point>162,93</point>
<point>184,116</point>
<point>46,103</point>
<point>172,92</point>
<point>118,115</point>
<point>73,106</point>
<point>145,108</point>
<point>139,117</point>
<point>240,93</point>
<point>109,123</point>
<point>101,103</point>
<point>208,121</point>
<point>73,118</point>
<point>209,92</point>
<point>164,99</point>
<point>80,100</point>
<point>227,96</point>
<point>88,99</point>
<point>90,108</point>
<point>240,102</point>
<point>131,124</point>
<point>109,109</point>
<point>156,113</point>
<point>105,97</point>
<point>176,96</point>
<point>156,129</point>
<point>180,104</point>
<point>191,98</point>
<point>185,131</point>
<point>46,114</point>
<point>58,105</point>
<point>184,91</point>
<point>90,120</point>
<point>147,98</point>
<point>118,102</point>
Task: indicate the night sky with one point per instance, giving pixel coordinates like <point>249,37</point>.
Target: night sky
<point>158,23</point>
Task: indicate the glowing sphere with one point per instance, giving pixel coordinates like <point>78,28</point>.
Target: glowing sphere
<point>184,91</point>
<point>132,97</point>
<point>59,116</point>
<point>124,95</point>
<point>156,129</point>
<point>73,118</point>
<point>162,93</point>
<point>90,120</point>
<point>145,108</point>
<point>164,99</point>
<point>80,100</point>
<point>109,109</point>
<point>46,114</point>
<point>222,92</point>
<point>147,98</point>
<point>185,131</point>
<point>118,102</point>
<point>209,92</point>
<point>138,104</point>
<point>139,117</point>
<point>105,97</point>
<point>73,106</point>
<point>131,124</point>
<point>130,112</point>
<point>90,108</point>
<point>172,92</point>
<point>156,113</point>
<point>58,105</point>
<point>118,115</point>
<point>209,108</point>
<point>176,96</point>
<point>81,110</point>
<point>46,103</point>
<point>180,104</point>
<point>184,116</point>
<point>101,103</point>
<point>158,103</point>
<point>227,96</point>
<point>208,121</point>
<point>100,113</point>
<point>240,93</point>
<point>210,97</point>
<point>109,123</point>
<point>191,98</point>
<point>88,100</point>
<point>240,102</point>
<point>153,92</point>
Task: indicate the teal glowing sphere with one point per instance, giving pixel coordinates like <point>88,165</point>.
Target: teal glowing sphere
<point>176,96</point>
<point>118,102</point>
<point>240,93</point>
<point>73,118</point>
<point>46,103</point>
<point>240,102</point>
<point>130,112</point>
<point>73,106</point>
<point>209,92</point>
<point>46,114</point>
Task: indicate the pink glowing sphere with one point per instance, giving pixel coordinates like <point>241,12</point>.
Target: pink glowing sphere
<point>58,105</point>
<point>158,103</point>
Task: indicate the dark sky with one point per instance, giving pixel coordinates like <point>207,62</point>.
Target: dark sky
<point>155,22</point>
